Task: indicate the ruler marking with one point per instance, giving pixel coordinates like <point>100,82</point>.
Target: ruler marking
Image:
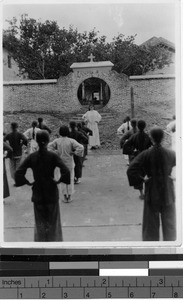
<point>169,280</point>
<point>61,292</point>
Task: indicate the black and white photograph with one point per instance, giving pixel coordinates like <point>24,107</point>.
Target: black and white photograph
<point>91,122</point>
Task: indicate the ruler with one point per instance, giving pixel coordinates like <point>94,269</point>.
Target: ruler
<point>91,287</point>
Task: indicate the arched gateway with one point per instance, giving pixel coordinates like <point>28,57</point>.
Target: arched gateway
<point>93,89</point>
<point>95,83</point>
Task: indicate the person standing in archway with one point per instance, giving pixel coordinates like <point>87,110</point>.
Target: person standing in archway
<point>92,118</point>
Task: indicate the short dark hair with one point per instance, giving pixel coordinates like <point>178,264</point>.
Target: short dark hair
<point>72,124</point>
<point>157,134</point>
<point>64,130</point>
<point>79,125</point>
<point>133,122</point>
<point>42,137</point>
<point>40,120</point>
<point>14,125</point>
<point>34,123</point>
<point>141,125</point>
<point>91,105</point>
<point>127,119</point>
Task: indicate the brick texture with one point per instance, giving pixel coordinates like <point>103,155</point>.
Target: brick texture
<point>61,96</point>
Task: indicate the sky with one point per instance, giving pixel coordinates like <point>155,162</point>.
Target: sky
<point>142,18</point>
<point>146,18</point>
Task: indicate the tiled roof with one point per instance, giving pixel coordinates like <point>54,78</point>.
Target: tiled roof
<point>157,41</point>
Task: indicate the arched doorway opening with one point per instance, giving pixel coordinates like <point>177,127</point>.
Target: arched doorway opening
<point>95,91</point>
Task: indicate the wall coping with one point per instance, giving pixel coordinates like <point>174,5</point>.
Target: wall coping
<point>45,81</point>
<point>48,81</point>
<point>158,76</point>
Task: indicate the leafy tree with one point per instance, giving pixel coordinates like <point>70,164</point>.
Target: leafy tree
<point>45,51</point>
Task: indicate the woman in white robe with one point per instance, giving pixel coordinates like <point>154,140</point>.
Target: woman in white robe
<point>66,147</point>
<point>92,118</point>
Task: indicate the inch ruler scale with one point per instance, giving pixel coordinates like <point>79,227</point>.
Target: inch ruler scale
<point>29,277</point>
<point>91,287</point>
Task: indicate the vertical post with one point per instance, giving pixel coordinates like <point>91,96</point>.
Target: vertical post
<point>100,91</point>
<point>83,90</point>
<point>132,102</point>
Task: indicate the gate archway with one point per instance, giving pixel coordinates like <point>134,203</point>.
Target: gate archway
<point>95,91</point>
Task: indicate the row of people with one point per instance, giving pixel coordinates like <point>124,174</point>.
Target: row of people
<point>16,140</point>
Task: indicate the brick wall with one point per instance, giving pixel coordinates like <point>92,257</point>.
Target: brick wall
<point>61,95</point>
<point>154,92</point>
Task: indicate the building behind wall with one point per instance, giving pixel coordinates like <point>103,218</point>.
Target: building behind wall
<point>167,45</point>
<point>11,70</point>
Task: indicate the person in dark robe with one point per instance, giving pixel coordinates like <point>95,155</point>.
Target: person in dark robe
<point>7,152</point>
<point>137,143</point>
<point>154,167</point>
<point>43,126</point>
<point>127,135</point>
<point>16,140</point>
<point>45,195</point>
<point>84,129</point>
<point>82,139</point>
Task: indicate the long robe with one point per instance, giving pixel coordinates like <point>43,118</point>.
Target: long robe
<point>65,147</point>
<point>159,191</point>
<point>45,194</point>
<point>93,118</point>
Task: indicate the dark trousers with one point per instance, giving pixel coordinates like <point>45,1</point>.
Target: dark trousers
<point>78,166</point>
<point>14,164</point>
<point>85,149</point>
<point>151,223</point>
<point>47,222</point>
